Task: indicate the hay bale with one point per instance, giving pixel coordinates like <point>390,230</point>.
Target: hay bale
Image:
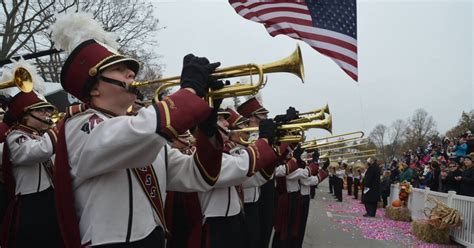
<point>430,234</point>
<point>398,213</point>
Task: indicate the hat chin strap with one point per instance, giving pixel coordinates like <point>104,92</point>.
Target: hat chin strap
<point>48,122</point>
<point>131,89</point>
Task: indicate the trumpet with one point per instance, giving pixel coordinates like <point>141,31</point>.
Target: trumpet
<point>359,153</point>
<point>324,109</point>
<point>341,138</point>
<point>344,147</point>
<point>311,117</point>
<point>57,116</point>
<point>334,144</point>
<point>291,64</point>
<point>21,79</point>
<point>295,131</point>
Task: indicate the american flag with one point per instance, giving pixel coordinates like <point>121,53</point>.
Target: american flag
<point>329,26</point>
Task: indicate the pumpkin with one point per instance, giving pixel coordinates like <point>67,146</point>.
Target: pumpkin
<point>396,203</point>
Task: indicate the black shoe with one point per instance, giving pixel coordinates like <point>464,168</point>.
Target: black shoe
<point>366,215</point>
<point>339,200</point>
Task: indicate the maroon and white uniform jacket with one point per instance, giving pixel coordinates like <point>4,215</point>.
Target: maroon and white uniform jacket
<point>104,151</point>
<point>27,147</point>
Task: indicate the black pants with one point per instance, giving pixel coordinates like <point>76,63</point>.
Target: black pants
<point>338,184</point>
<point>38,224</point>
<point>385,200</point>
<point>3,201</point>
<point>304,220</point>
<point>349,185</point>
<point>227,232</point>
<point>156,239</point>
<point>371,208</point>
<point>356,188</point>
<point>331,184</point>
<point>312,191</point>
<point>252,224</point>
<point>267,211</point>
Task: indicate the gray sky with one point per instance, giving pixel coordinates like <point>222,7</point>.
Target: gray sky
<point>412,54</point>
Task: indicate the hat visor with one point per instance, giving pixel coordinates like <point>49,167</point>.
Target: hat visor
<point>225,114</point>
<point>133,64</point>
<point>261,111</point>
<point>41,105</point>
<point>241,121</point>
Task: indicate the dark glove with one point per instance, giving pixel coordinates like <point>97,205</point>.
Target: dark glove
<point>291,114</point>
<point>280,119</point>
<point>297,154</point>
<point>316,155</point>
<point>267,130</point>
<point>8,118</point>
<point>196,73</point>
<point>326,165</point>
<point>209,126</point>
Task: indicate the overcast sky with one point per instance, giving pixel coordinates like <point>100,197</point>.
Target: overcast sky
<point>412,54</point>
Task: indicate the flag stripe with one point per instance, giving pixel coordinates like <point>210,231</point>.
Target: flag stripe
<point>329,34</point>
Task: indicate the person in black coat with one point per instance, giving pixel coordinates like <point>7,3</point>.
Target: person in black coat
<point>467,177</point>
<point>386,187</point>
<point>371,191</point>
<point>451,183</point>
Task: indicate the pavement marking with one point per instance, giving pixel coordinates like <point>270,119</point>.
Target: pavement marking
<point>329,214</point>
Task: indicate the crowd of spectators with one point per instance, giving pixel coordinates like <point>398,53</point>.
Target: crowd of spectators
<point>443,166</point>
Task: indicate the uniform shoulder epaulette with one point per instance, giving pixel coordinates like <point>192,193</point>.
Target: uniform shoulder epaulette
<point>75,109</point>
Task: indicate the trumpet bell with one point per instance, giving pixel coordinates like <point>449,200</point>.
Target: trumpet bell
<point>21,79</point>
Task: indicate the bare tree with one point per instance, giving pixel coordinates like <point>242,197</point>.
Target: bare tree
<point>421,127</point>
<point>24,23</point>
<point>24,29</point>
<point>466,122</point>
<point>396,137</point>
<point>378,138</point>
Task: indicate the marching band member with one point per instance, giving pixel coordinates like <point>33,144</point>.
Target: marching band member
<point>31,217</point>
<point>357,178</point>
<point>257,222</point>
<point>4,127</point>
<point>339,180</point>
<point>113,169</point>
<point>316,177</point>
<point>289,200</point>
<point>349,178</point>
<point>222,206</point>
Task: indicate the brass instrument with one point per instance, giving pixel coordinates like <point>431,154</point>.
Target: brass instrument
<point>333,144</point>
<point>310,117</point>
<point>341,139</point>
<point>57,116</point>
<point>291,64</point>
<point>344,147</point>
<point>21,79</point>
<point>324,109</point>
<point>361,156</point>
<point>360,153</point>
<point>296,130</point>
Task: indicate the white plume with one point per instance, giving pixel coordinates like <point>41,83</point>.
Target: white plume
<point>6,76</point>
<point>248,80</point>
<point>228,103</point>
<point>70,30</point>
